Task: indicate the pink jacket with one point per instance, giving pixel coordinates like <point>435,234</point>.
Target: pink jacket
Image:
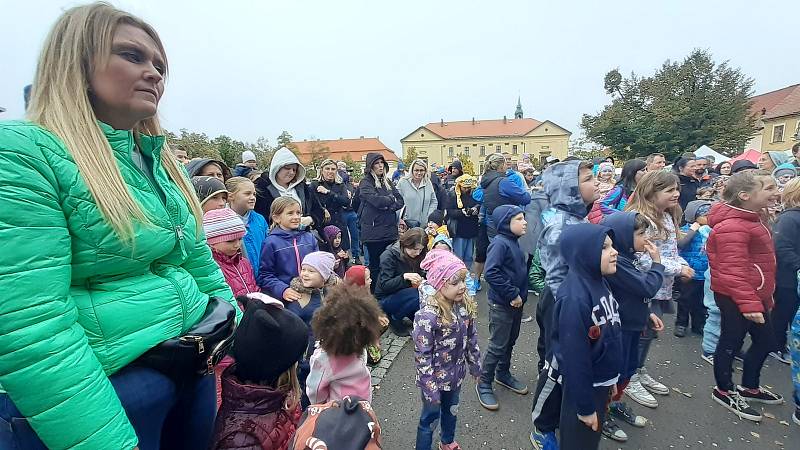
<point>238,272</point>
<point>335,377</point>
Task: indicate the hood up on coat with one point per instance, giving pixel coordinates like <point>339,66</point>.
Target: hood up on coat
<point>284,157</point>
<point>622,223</point>
<point>502,216</point>
<point>561,186</point>
<point>582,245</point>
<point>195,166</point>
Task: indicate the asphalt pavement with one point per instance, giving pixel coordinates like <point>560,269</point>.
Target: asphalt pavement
<point>687,418</point>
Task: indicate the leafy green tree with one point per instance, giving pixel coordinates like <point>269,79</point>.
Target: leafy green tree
<point>466,163</point>
<point>284,139</point>
<point>356,168</point>
<point>409,156</point>
<point>319,152</point>
<point>681,107</point>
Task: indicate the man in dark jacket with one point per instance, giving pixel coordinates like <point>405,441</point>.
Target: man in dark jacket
<point>455,170</point>
<point>508,292</point>
<point>379,201</point>
<point>786,234</point>
<point>686,170</point>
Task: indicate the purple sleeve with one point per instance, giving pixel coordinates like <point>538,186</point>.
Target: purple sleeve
<point>423,355</point>
<point>474,355</point>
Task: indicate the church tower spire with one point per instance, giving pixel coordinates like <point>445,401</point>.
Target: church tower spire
<point>518,112</point>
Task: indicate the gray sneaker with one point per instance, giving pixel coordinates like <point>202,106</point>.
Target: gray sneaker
<point>486,396</point>
<point>507,380</point>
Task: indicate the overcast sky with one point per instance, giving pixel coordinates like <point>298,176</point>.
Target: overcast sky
<point>330,69</point>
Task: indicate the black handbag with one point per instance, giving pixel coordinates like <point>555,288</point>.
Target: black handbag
<point>200,349</point>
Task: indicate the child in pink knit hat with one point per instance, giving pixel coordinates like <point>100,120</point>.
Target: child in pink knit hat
<point>445,345</point>
<point>224,231</point>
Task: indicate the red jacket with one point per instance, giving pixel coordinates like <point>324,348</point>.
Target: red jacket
<point>252,417</point>
<point>238,273</point>
<point>742,258</point>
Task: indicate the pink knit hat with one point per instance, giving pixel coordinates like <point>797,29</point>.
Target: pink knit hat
<point>322,262</point>
<point>441,265</point>
<point>222,225</point>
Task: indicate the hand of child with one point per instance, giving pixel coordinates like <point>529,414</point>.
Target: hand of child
<point>590,421</point>
<point>652,250</point>
<point>306,221</point>
<point>383,321</point>
<point>342,254</point>
<point>687,272</point>
<point>754,317</point>
<point>517,302</point>
<point>658,324</point>
<point>413,278</point>
<point>694,227</point>
<point>290,295</point>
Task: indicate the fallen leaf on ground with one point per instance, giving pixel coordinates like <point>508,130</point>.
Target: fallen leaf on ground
<point>755,434</point>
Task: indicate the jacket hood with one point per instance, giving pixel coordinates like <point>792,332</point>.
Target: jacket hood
<point>457,165</point>
<point>502,216</point>
<point>778,158</point>
<point>784,169</point>
<point>284,157</point>
<point>561,186</point>
<point>721,212</point>
<point>371,159</point>
<point>196,165</point>
<point>622,223</point>
<point>487,178</point>
<point>581,245</point>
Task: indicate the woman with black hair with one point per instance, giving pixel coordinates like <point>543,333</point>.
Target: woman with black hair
<point>617,197</point>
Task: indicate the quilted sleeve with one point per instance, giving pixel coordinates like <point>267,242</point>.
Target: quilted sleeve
<point>207,274</point>
<point>46,364</point>
<point>423,336</point>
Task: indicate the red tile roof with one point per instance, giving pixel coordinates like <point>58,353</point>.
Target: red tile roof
<point>771,102</point>
<point>338,149</point>
<point>483,128</point>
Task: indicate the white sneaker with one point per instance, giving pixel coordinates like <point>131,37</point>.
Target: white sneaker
<point>639,394</point>
<point>651,384</point>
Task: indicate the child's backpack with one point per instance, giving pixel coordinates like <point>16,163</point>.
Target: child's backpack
<point>347,424</point>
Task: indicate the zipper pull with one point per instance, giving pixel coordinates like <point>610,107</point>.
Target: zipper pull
<point>179,232</point>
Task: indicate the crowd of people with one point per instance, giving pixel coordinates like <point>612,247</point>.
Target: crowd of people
<point>155,300</point>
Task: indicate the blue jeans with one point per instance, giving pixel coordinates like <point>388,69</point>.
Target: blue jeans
<point>351,220</point>
<point>463,247</point>
<point>403,303</point>
<point>163,414</point>
<point>447,409</point>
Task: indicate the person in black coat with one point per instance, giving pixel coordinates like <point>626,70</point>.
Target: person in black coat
<point>287,178</point>
<point>462,213</point>
<point>786,234</point>
<point>685,169</point>
<point>333,196</point>
<point>399,278</point>
<point>379,201</point>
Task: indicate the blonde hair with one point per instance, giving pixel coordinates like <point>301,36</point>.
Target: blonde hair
<point>289,384</point>
<point>641,200</point>
<point>791,193</point>
<point>444,307</point>
<point>277,208</point>
<point>234,184</point>
<point>79,42</point>
<point>747,181</point>
<point>336,178</point>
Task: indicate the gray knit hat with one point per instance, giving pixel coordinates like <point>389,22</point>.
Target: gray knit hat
<point>207,187</point>
<point>695,209</point>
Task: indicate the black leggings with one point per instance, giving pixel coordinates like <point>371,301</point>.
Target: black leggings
<point>786,304</point>
<point>481,244</point>
<point>734,327</point>
<point>375,250</point>
<point>576,435</point>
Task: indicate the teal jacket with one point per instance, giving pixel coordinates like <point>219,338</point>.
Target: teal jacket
<point>79,304</point>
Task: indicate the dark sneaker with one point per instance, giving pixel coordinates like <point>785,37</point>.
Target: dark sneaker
<point>796,415</point>
<point>680,331</point>
<point>759,395</point>
<point>736,404</point>
<point>507,380</point>
<point>612,431</point>
<point>625,413</point>
<point>544,441</point>
<point>782,357</point>
<point>486,396</point>
<point>398,327</point>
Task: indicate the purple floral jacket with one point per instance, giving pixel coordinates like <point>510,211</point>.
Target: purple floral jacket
<point>443,351</point>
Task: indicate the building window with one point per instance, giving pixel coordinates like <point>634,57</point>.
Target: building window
<point>483,150</point>
<point>466,151</point>
<point>777,133</point>
<point>497,149</point>
<point>481,167</point>
<point>450,151</point>
<point>514,149</point>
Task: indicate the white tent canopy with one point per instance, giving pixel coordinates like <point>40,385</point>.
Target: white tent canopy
<point>708,151</point>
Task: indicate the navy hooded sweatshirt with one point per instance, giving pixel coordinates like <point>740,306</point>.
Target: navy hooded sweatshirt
<point>586,342</point>
<point>506,266</point>
<point>632,288</point>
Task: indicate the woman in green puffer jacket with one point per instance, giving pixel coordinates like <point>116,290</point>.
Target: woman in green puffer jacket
<point>103,251</point>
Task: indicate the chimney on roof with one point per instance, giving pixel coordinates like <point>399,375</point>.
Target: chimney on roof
<point>505,119</point>
<point>763,111</point>
<point>441,122</point>
<point>362,137</point>
<point>473,121</point>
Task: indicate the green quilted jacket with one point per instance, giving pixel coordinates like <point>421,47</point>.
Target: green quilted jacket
<point>78,304</point>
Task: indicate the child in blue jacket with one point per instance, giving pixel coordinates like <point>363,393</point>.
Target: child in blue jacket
<point>506,273</point>
<point>284,249</point>
<point>693,249</point>
<point>586,344</point>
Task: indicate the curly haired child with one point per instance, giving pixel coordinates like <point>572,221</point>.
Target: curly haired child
<point>344,326</point>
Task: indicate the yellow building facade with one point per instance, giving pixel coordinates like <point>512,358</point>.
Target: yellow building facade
<point>777,115</point>
<point>519,139</point>
<point>780,133</point>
